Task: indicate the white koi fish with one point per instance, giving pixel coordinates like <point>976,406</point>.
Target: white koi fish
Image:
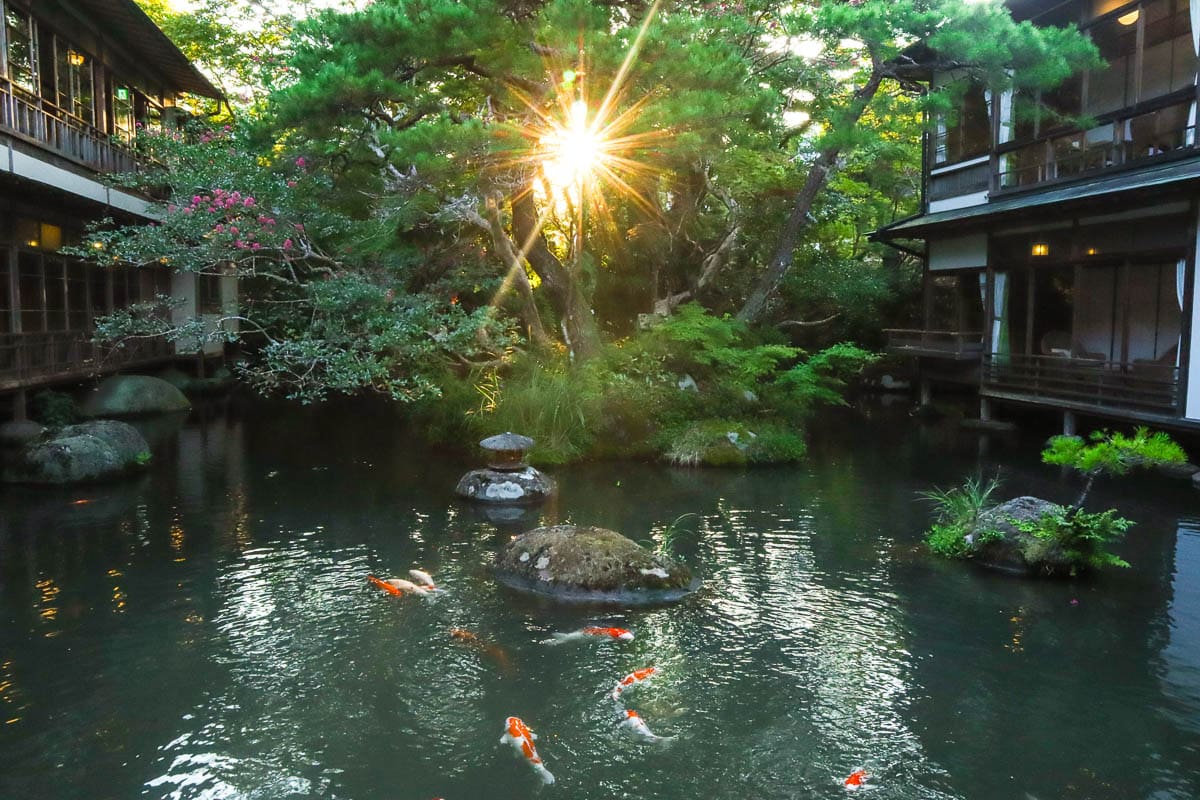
<point>423,578</point>
<point>518,734</point>
<point>406,586</point>
<point>635,723</point>
<point>618,634</point>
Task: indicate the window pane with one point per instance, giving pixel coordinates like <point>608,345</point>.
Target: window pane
<point>33,300</point>
<point>22,50</point>
<point>99,280</point>
<point>123,112</point>
<point>1109,87</point>
<point>5,295</point>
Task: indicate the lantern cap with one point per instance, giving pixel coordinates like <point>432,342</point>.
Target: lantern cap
<point>507,442</point>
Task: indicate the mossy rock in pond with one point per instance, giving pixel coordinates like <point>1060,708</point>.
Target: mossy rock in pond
<point>581,563</point>
<point>724,443</point>
<point>90,451</point>
<point>133,395</point>
<point>997,543</point>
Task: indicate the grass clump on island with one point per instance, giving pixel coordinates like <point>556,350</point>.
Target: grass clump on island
<point>963,527</point>
<point>695,389</point>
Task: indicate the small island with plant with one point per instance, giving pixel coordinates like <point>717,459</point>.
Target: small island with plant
<point>1033,536</point>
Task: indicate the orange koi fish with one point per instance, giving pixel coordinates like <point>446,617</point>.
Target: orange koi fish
<point>856,779</point>
<point>620,634</point>
<point>517,734</point>
<point>492,651</point>
<point>82,502</point>
<point>384,585</point>
<point>635,723</point>
<point>632,679</point>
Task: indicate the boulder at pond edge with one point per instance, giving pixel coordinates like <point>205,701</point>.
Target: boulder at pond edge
<point>90,451</point>
<point>133,395</point>
<point>582,563</point>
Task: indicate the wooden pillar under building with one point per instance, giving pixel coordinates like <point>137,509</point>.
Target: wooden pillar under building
<point>20,406</point>
<point>985,409</point>
<point>1070,423</point>
<point>926,392</point>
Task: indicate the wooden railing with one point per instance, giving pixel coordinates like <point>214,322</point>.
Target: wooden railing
<point>1073,155</point>
<point>958,345</point>
<point>32,358</point>
<point>1147,387</point>
<point>53,128</point>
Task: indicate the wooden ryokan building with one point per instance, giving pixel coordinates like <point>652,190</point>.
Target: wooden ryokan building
<point>1061,264</point>
<point>76,79</point>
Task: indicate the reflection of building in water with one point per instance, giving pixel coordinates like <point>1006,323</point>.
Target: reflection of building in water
<point>1181,656</point>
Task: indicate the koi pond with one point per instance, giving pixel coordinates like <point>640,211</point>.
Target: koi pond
<point>207,630</point>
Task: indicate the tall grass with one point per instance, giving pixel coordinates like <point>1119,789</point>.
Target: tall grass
<point>549,404</point>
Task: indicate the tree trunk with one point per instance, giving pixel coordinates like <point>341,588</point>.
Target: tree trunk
<point>578,324</point>
<point>798,219</point>
<point>516,275</point>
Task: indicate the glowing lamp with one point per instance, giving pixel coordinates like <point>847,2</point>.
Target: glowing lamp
<point>1040,249</point>
<point>1130,18</point>
<point>75,58</point>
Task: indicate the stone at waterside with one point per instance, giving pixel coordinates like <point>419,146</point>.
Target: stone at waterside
<point>583,563</point>
<point>1182,472</point>
<point>513,487</point>
<point>133,395</point>
<point>1018,552</point>
<point>91,451</point>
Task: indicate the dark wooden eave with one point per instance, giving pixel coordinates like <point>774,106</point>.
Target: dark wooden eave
<point>1157,183</point>
<point>127,24</point>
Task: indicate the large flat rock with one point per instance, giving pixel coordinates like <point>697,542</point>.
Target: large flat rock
<point>581,563</point>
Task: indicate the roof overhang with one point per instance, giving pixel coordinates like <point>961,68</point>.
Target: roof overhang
<point>1153,183</point>
<point>127,24</point>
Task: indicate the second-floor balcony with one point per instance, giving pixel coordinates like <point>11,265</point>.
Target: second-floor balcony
<point>37,121</point>
<point>1121,142</point>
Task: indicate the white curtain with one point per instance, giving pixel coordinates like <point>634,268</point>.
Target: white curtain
<point>1194,8</point>
<point>1000,344</point>
<point>1180,269</point>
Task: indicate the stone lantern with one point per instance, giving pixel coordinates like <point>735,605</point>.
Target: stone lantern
<point>507,479</point>
<point>507,451</point>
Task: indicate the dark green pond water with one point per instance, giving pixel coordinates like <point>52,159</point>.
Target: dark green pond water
<point>206,631</point>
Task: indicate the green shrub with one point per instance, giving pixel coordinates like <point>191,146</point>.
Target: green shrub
<point>628,402</point>
<point>1081,537</point>
<point>956,513</point>
<point>54,409</point>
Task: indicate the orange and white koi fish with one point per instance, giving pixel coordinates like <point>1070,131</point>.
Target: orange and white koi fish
<point>856,780</point>
<point>517,734</point>
<point>632,679</point>
<point>635,723</point>
<point>384,585</point>
<point>620,634</point>
<point>407,586</point>
<point>80,502</point>
<point>423,578</point>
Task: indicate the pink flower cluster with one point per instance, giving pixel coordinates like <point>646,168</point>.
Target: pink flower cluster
<point>236,217</point>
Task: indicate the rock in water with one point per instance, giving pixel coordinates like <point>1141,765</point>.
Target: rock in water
<point>133,395</point>
<point>91,451</point>
<point>1019,552</point>
<point>513,487</point>
<point>580,563</point>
